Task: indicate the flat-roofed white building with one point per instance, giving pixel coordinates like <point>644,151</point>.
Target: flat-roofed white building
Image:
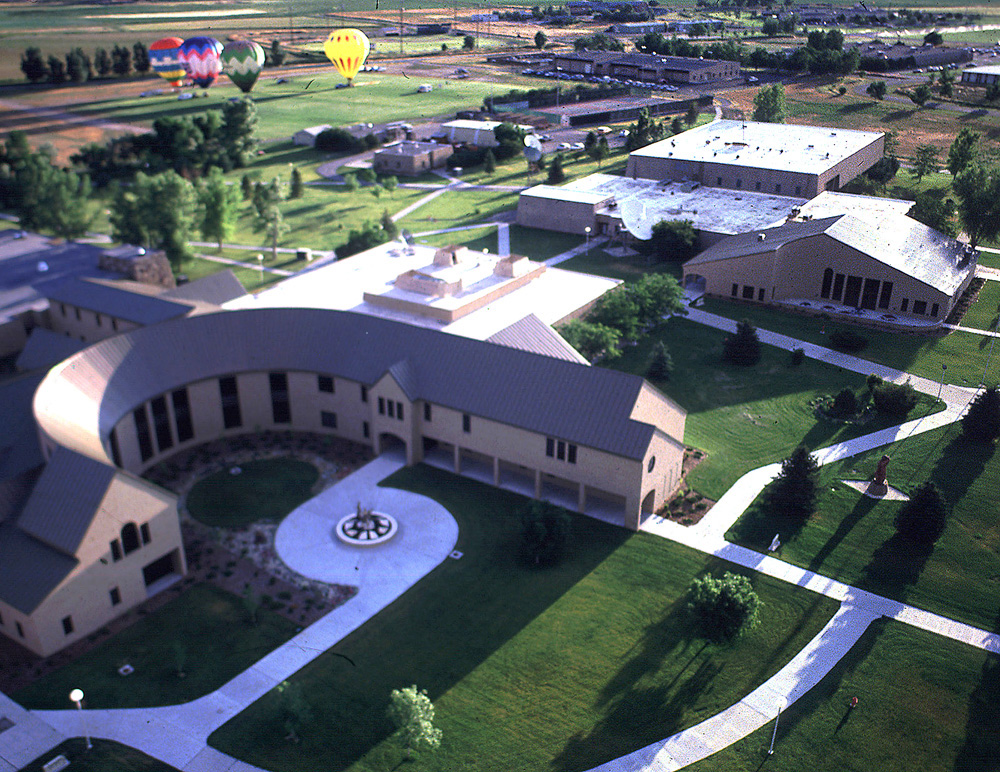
<point>981,76</point>
<point>596,202</point>
<point>782,159</point>
<point>478,133</point>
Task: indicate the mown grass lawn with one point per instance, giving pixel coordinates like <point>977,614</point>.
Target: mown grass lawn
<point>555,668</point>
<point>250,277</point>
<point>745,417</point>
<point>985,312</point>
<point>457,207</point>
<point>105,756</point>
<point>924,702</point>
<point>631,268</point>
<point>964,353</point>
<point>853,538</point>
<point>208,625</point>
<point>263,490</point>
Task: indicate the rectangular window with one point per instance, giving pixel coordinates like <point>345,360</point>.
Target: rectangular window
<point>325,383</point>
<point>718,181</point>
<point>229,392</point>
<point>739,183</point>
<point>427,411</point>
<point>67,624</point>
<point>934,310</point>
<point>904,304</point>
<point>760,294</point>
<point>747,292</point>
<point>116,596</point>
<point>920,306</point>
<point>97,317</point>
<point>161,423</point>
<point>20,630</point>
<point>114,325</point>
<point>63,307</point>
<point>827,283</point>
<point>886,296</point>
<point>78,317</point>
<point>838,286</point>
<point>1,619</point>
<point>466,423</point>
<point>328,419</point>
<point>182,415</point>
<point>381,405</point>
<point>366,429</point>
<point>364,393</point>
<point>777,188</point>
<point>116,550</point>
<point>399,410</point>
<point>116,454</point>
<point>756,185</point>
<point>736,290</point>
<point>852,292</point>
<point>561,450</point>
<point>571,453</point>
<point>798,190</point>
<point>144,533</point>
<point>142,433</point>
<point>391,408</point>
<point>281,409</point>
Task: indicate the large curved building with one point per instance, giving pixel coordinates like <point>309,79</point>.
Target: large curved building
<point>598,438</point>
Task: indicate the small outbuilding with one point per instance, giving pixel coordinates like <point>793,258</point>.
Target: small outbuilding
<point>411,158</point>
<point>307,137</point>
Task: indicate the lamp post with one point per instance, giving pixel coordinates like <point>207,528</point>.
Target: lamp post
<point>587,232</point>
<point>944,367</point>
<point>260,266</point>
<point>770,751</point>
<point>77,696</point>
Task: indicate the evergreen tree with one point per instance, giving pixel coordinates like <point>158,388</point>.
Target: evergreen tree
<point>102,63</point>
<point>963,150</point>
<point>923,518</point>
<point>350,182</point>
<point>793,492</point>
<point>238,131</point>
<point>540,39</point>
<point>57,69</point>
<point>219,207</point>
<point>390,183</point>
<point>296,186</point>
<point>981,422</point>
<point>920,95</point>
<point>876,89</point>
<point>246,187</point>
<point>140,58</point>
<point>74,67</point>
<point>556,173</point>
<point>660,363</point>
<point>33,65</point>
<point>925,161</point>
<point>121,61</point>
<point>489,162</point>
<point>389,226</point>
<point>691,116</point>
<point>269,216</point>
<point>743,347</point>
<point>276,55</point>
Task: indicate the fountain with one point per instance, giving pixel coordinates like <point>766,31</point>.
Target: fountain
<point>366,527</point>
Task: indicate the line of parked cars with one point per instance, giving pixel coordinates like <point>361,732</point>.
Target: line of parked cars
<point>558,75</point>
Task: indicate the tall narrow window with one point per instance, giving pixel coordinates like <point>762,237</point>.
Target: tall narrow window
<point>366,430</point>
<point>230,395</point>
<point>364,393</point>
<point>130,538</point>
<point>466,423</point>
<point>934,310</point>
<point>571,453</point>
<point>182,415</point>
<point>735,290</point>
<point>116,550</point>
<point>561,450</point>
<point>381,405</point>
<point>144,533</point>
<point>116,454</point>
<point>427,411</point>
<point>838,287</point>
<point>161,423</point>
<point>142,433</point>
<point>827,283</point>
<point>116,596</point>
<point>67,625</point>
<point>392,409</point>
<point>399,410</point>
<point>886,297</point>
<point>550,447</point>
<point>281,409</point>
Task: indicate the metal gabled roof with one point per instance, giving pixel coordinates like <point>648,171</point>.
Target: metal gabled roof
<point>81,400</point>
<point>45,348</point>
<point>65,500</point>
<point>751,243</point>
<point>216,288</point>
<point>119,303</point>
<point>29,569</point>
<point>532,334</point>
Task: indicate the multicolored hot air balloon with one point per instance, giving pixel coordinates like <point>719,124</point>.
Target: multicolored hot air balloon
<point>348,49</point>
<point>200,57</point>
<point>164,56</point>
<point>242,61</point>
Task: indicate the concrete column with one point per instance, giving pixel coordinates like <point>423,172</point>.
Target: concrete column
<point>496,471</point>
<point>538,483</point>
<point>633,513</point>
<point>458,460</point>
<point>581,498</point>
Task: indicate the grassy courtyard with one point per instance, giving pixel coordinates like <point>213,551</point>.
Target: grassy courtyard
<point>263,490</point>
<point>105,756</point>
<point>925,702</point>
<point>205,633</point>
<point>852,538</point>
<point>558,668</point>
<point>745,417</point>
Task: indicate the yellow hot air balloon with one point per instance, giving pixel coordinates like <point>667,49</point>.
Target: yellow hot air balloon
<point>348,49</point>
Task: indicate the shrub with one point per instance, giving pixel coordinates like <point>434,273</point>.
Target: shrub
<point>845,404</point>
<point>923,517</point>
<point>338,140</point>
<point>895,399</point>
<point>873,381</point>
<point>723,608</point>
<point>661,364</point>
<point>742,348</point>
<point>544,533</point>
<point>798,357</point>
<point>848,341</point>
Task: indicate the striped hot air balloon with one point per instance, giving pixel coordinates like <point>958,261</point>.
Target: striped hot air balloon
<point>164,56</point>
<point>200,56</point>
<point>242,61</point>
<point>348,49</point>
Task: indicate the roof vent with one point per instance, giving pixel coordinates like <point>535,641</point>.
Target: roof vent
<point>761,236</point>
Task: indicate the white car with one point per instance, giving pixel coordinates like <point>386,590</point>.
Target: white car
<point>564,146</point>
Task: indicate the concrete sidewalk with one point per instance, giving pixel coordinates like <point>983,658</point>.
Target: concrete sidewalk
<point>28,737</point>
<point>177,734</point>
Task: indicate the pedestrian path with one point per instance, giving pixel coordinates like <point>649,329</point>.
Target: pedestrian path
<point>178,734</point>
<point>28,736</point>
<point>421,202</point>
<point>503,239</point>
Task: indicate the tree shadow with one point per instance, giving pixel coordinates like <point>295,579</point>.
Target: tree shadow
<point>895,567</point>
<point>854,107</point>
<point>980,752</point>
<point>982,112</point>
<point>960,464</point>
<point>756,529</point>
<point>864,505</point>
<point>897,115</point>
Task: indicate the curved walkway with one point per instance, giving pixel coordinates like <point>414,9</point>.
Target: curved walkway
<point>177,734</point>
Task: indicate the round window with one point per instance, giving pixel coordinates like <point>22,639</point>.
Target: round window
<point>652,463</point>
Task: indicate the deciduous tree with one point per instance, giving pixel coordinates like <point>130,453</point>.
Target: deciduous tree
<point>412,713</point>
<point>981,421</point>
<point>769,104</point>
<point>674,240</point>
<point>925,161</point>
<point>219,207</point>
<point>156,212</point>
<point>591,339</point>
<point>963,151</point>
<point>978,192</point>
<point>33,65</point>
<point>723,608</point>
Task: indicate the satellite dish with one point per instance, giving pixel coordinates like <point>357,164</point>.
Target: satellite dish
<point>407,237</point>
<point>636,220</point>
<point>533,154</point>
<point>531,140</point>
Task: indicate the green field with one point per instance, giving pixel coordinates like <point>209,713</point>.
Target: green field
<point>925,703</point>
<point>211,628</point>
<point>746,417</point>
<point>852,538</point>
<point>104,756</point>
<point>559,668</point>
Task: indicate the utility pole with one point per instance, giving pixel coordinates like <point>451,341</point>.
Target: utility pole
<point>401,9</point>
